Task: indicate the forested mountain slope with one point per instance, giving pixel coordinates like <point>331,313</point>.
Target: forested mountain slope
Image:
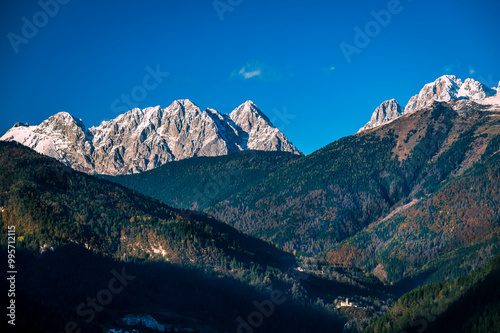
<point>446,234</point>
<point>74,232</point>
<point>312,203</point>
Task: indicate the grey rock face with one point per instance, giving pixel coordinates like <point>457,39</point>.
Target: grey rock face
<point>140,140</point>
<point>257,131</point>
<point>385,113</point>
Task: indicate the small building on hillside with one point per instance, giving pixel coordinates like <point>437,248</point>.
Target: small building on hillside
<point>346,303</point>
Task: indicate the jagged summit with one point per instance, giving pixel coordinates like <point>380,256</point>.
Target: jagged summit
<point>248,107</point>
<point>385,113</point>
<point>184,105</point>
<point>140,140</point>
<point>248,114</point>
<point>63,119</point>
<point>444,89</point>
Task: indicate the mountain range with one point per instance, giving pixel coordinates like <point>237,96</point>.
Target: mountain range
<point>141,140</point>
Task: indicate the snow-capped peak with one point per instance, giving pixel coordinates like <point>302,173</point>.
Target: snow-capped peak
<point>472,89</point>
<point>448,88</point>
<point>444,89</point>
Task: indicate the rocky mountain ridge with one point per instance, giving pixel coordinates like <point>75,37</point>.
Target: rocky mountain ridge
<point>140,140</point>
<point>444,89</point>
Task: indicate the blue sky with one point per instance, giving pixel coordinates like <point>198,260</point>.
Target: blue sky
<point>286,56</point>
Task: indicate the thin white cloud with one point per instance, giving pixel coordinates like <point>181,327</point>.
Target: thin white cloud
<point>257,69</point>
<point>247,74</point>
<point>471,71</point>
